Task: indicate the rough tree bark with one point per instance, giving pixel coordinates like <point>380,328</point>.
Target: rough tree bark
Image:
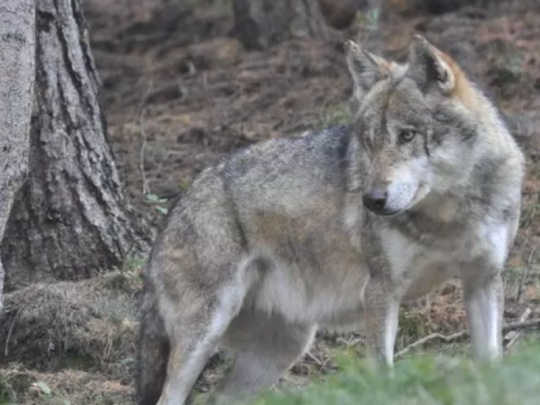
<point>69,220</point>
<point>17,23</point>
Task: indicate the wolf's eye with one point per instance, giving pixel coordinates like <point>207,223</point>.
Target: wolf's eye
<point>407,135</point>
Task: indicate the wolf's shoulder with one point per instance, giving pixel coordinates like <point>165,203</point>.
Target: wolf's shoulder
<point>324,146</point>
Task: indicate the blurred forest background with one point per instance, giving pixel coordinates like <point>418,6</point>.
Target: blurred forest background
<point>183,83</point>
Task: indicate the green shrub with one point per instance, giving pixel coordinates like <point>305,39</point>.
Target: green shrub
<point>424,379</point>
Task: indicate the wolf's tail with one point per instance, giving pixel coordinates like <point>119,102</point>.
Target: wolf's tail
<point>153,351</point>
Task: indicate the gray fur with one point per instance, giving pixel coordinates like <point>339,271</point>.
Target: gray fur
<point>275,241</point>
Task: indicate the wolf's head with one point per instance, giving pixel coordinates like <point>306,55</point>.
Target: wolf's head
<point>417,124</point>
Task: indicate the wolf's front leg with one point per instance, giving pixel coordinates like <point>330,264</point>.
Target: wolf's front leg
<point>381,320</point>
<point>484,302</point>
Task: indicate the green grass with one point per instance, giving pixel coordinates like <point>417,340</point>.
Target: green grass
<point>424,379</point>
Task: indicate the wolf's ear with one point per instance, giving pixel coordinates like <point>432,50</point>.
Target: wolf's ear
<point>428,66</point>
<point>366,69</point>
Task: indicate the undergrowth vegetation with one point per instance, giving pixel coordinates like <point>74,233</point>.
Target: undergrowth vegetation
<point>421,379</point>
<point>424,379</point>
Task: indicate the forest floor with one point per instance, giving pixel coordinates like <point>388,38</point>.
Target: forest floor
<point>179,93</point>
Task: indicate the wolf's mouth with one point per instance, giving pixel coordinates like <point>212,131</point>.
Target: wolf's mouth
<point>419,195</point>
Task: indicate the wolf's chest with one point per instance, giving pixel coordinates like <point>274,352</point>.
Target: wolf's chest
<point>312,294</point>
<point>419,267</point>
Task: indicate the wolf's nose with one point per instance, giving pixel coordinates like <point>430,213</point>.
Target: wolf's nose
<point>375,200</point>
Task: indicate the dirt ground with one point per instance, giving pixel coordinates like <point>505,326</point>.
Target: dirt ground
<point>179,93</point>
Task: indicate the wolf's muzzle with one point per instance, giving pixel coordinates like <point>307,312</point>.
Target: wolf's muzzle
<point>375,200</point>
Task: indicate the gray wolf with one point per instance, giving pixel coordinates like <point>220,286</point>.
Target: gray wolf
<point>334,230</point>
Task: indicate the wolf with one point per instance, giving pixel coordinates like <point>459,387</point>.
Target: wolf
<point>335,229</point>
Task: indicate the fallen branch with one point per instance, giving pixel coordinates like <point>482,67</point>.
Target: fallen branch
<point>464,333</point>
<point>314,358</point>
<point>511,337</point>
<point>521,325</point>
<point>351,342</point>
<point>429,338</point>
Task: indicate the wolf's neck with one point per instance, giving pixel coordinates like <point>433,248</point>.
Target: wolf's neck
<point>492,131</point>
<point>357,165</point>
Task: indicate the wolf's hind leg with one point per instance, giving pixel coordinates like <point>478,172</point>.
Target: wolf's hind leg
<point>195,330</point>
<point>197,304</point>
<point>265,347</point>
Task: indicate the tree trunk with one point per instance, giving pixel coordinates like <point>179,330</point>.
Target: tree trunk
<point>17,24</point>
<point>262,23</point>
<point>69,220</point>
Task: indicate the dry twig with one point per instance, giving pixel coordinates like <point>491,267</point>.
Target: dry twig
<point>142,125</point>
<point>464,333</point>
<point>314,358</point>
<point>524,276</point>
<point>434,336</point>
<point>512,336</point>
